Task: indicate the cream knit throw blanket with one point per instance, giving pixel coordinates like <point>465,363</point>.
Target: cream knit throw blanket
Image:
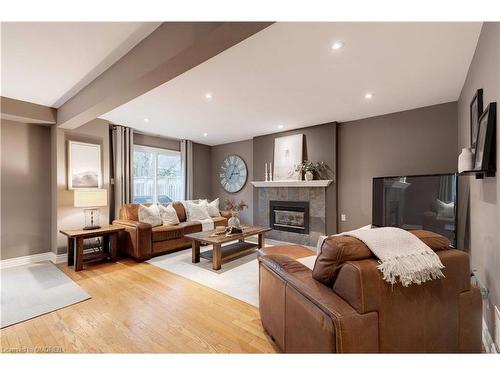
<point>402,255</point>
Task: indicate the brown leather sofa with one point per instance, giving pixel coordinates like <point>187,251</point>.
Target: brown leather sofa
<point>344,306</point>
<point>142,242</point>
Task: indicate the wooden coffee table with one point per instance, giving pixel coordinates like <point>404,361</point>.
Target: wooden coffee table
<point>222,253</point>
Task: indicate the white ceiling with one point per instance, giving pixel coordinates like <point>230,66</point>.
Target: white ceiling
<point>288,74</point>
<point>48,62</point>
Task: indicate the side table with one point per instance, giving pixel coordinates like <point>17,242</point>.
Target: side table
<point>109,233</point>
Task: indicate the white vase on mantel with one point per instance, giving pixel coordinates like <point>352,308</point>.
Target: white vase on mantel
<point>465,160</point>
<point>309,176</point>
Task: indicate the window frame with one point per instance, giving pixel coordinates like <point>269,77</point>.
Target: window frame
<point>156,151</point>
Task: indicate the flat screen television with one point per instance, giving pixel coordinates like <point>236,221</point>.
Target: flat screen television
<point>426,202</point>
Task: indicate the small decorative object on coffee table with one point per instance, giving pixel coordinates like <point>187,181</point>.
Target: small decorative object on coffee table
<point>109,250</point>
<point>234,208</point>
<point>222,253</point>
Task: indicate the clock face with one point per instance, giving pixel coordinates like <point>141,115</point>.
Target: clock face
<point>233,174</point>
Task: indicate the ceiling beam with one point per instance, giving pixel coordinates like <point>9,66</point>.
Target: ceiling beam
<point>26,112</point>
<point>172,49</point>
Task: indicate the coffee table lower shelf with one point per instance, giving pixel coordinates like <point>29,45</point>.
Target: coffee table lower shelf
<point>228,252</point>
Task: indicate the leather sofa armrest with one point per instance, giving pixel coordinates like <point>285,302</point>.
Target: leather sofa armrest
<point>135,240</point>
<point>307,305</point>
<point>132,223</point>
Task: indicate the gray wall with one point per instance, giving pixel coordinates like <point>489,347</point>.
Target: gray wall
<point>483,222</point>
<point>202,173</point>
<point>418,141</point>
<point>25,189</point>
<point>244,149</point>
<point>65,215</point>
<point>320,145</point>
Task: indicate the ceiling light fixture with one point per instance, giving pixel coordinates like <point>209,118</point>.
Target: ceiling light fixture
<point>205,134</point>
<point>280,126</point>
<point>369,95</point>
<point>337,45</point>
<point>146,119</point>
<point>208,96</point>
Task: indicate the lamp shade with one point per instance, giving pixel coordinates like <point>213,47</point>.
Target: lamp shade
<point>91,198</point>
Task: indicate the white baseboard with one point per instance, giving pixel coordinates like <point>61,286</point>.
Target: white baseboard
<point>488,344</point>
<point>19,261</point>
<point>60,258</point>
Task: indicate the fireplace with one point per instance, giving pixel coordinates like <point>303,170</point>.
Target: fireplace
<point>289,216</point>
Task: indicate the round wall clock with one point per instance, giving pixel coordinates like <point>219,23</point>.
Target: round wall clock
<point>233,173</point>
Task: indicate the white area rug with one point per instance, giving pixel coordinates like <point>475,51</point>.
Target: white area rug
<point>238,277</point>
<point>34,289</point>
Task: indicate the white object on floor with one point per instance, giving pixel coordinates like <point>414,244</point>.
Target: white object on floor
<point>35,289</point>
<point>402,255</point>
<point>238,278</point>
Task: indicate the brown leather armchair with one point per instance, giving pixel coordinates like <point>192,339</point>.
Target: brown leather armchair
<point>142,242</point>
<point>344,306</point>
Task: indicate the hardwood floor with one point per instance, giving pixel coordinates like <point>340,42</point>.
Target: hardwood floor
<point>137,307</point>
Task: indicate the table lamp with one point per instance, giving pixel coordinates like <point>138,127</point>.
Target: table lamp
<point>90,200</point>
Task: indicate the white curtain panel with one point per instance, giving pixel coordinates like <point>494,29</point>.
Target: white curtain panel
<point>122,148</point>
<point>187,168</point>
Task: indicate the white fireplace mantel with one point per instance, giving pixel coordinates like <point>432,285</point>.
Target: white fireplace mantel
<point>291,183</point>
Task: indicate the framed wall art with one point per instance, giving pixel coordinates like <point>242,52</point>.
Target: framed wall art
<point>476,110</point>
<point>84,165</point>
<point>287,154</point>
<point>485,145</point>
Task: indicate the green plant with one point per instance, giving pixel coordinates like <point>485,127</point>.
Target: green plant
<point>309,166</point>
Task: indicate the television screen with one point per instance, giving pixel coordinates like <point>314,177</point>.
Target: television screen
<point>416,202</point>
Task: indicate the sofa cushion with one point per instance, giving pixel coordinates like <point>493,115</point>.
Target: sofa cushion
<point>181,212</point>
<point>168,215</point>
<point>336,250</point>
<point>197,211</point>
<point>150,215</point>
<point>130,212</point>
<point>213,207</point>
<point>433,240</point>
<point>166,232</point>
<point>189,227</point>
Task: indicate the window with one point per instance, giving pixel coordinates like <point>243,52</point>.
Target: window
<point>157,175</point>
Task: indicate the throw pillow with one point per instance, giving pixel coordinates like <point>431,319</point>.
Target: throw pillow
<point>197,211</point>
<point>213,207</point>
<point>168,215</point>
<point>150,215</point>
<point>445,210</point>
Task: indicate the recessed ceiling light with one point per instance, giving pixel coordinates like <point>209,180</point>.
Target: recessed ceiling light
<point>280,126</point>
<point>205,134</point>
<point>338,44</point>
<point>208,96</point>
<point>146,119</point>
<point>369,95</point>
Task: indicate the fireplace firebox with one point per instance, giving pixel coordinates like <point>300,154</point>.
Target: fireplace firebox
<point>289,216</point>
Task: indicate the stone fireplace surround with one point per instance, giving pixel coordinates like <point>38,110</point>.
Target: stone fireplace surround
<point>316,196</point>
